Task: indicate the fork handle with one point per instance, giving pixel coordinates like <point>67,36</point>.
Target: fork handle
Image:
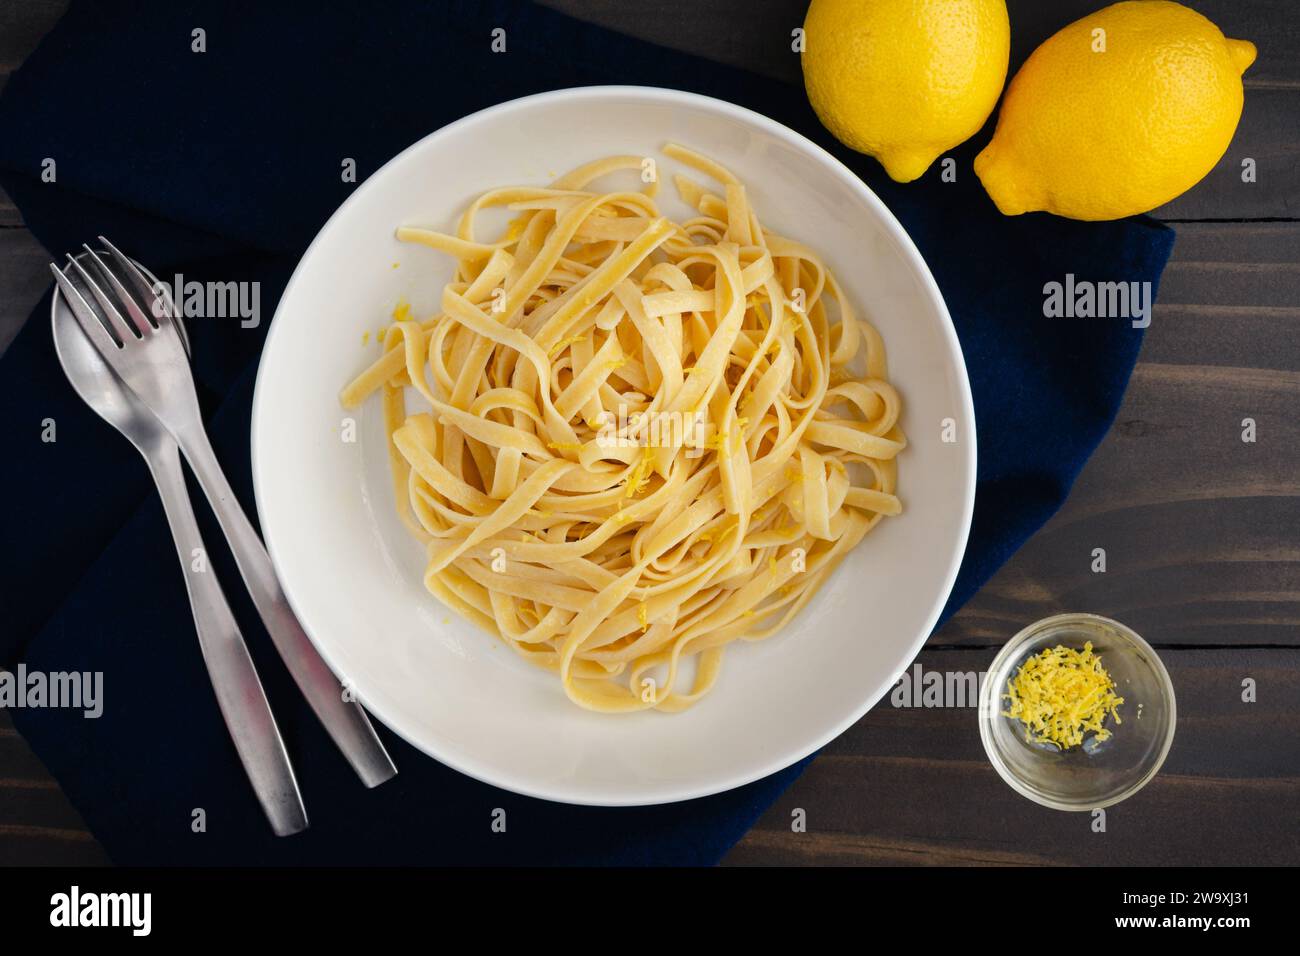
<point>344,720</point>
<point>234,678</point>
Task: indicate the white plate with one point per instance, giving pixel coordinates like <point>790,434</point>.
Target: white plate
<point>354,576</point>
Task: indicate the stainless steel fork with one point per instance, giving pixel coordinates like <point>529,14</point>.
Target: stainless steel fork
<point>144,350</point>
<point>238,689</point>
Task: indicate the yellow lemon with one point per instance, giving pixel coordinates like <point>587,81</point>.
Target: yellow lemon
<point>1116,114</point>
<point>904,80</point>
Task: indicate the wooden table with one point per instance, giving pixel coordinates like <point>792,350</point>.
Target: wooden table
<point>1201,529</point>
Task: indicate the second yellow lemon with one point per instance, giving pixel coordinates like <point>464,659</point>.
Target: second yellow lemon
<point>1116,114</point>
<point>905,80</point>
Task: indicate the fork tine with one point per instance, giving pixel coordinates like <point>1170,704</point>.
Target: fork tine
<point>86,316</point>
<point>111,315</point>
<point>147,290</point>
<point>142,323</point>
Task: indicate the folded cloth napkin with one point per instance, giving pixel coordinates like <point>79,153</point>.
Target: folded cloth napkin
<point>222,164</point>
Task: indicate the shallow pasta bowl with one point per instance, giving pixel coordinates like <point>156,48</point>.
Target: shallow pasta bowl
<point>353,573</point>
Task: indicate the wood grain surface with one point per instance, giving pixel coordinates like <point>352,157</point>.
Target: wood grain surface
<point>1201,530</point>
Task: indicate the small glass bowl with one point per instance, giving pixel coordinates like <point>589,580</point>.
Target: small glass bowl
<point>1097,773</point>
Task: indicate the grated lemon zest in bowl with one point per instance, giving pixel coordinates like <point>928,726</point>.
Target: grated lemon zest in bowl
<point>1061,694</point>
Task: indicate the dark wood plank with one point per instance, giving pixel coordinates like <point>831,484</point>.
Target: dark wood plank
<point>46,846</point>
<point>10,217</point>
<point>24,276</point>
<point>913,786</point>
<point>37,824</point>
<point>22,25</point>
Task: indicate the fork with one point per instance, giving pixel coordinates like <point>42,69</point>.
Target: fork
<point>238,689</point>
<point>144,349</point>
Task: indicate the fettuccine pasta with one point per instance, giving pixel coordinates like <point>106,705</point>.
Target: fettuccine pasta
<point>636,440</point>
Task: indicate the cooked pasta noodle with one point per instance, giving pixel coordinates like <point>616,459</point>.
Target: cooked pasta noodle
<point>637,440</point>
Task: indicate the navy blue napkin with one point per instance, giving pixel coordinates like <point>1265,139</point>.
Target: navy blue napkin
<point>222,165</point>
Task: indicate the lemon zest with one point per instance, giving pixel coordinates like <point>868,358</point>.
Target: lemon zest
<point>1061,694</point>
